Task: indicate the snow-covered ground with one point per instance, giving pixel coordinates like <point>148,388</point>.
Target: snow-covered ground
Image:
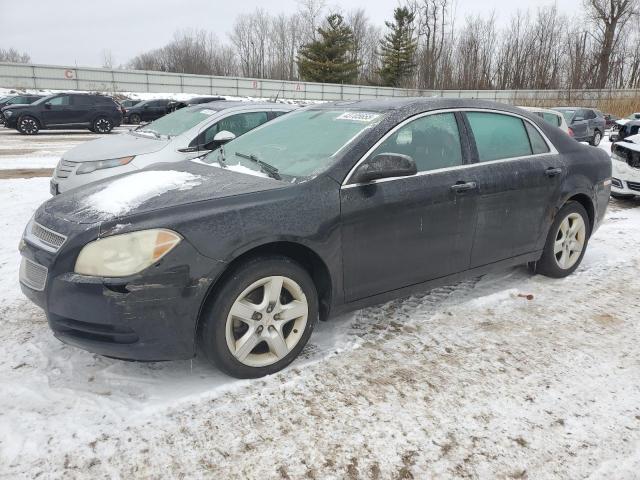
<point>472,380</point>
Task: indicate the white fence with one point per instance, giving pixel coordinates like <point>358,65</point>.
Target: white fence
<point>27,76</point>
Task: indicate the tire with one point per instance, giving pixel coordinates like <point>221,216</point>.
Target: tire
<point>28,125</point>
<point>563,251</point>
<point>134,119</point>
<point>102,125</point>
<point>597,138</point>
<point>273,343</point>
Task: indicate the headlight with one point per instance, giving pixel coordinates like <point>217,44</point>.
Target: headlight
<point>7,113</point>
<point>88,167</point>
<point>126,254</point>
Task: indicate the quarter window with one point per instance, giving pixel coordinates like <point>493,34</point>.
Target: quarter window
<point>433,141</point>
<point>499,136</point>
<point>538,145</point>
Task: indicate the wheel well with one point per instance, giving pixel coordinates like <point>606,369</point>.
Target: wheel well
<point>586,202</point>
<point>306,257</point>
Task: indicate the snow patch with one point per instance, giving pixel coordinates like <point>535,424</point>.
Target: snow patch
<point>130,191</point>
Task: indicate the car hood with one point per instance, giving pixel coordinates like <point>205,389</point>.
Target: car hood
<point>154,188</point>
<point>114,146</point>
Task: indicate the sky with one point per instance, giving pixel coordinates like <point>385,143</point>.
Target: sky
<point>76,32</point>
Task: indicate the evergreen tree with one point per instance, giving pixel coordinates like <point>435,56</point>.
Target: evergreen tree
<point>398,48</point>
<point>327,60</point>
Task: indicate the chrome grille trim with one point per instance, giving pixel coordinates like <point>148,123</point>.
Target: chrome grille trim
<point>44,237</point>
<point>33,275</point>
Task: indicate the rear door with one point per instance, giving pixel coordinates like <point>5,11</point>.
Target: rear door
<point>519,176</point>
<point>403,231</point>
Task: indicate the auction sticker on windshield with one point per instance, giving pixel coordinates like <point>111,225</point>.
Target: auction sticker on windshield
<point>359,116</point>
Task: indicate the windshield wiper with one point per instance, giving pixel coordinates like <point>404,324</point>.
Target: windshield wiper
<point>264,166</point>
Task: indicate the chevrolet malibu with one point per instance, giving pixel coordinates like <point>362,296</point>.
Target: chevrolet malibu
<point>330,208</point>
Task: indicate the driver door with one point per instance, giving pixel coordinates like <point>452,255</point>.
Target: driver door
<point>403,231</point>
<point>56,111</point>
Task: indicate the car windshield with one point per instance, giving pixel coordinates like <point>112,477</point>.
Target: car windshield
<point>177,122</point>
<point>299,144</point>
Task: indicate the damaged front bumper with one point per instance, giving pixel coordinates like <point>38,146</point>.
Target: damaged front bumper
<point>148,316</point>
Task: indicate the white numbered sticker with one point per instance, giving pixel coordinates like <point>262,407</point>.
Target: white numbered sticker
<point>358,116</point>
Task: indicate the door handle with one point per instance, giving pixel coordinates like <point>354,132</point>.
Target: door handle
<point>463,187</point>
<point>553,171</point>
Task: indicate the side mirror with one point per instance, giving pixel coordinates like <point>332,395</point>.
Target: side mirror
<point>47,106</point>
<point>385,165</point>
<point>146,107</point>
<point>223,137</point>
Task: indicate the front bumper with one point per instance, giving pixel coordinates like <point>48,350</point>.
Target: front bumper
<point>625,179</point>
<point>149,316</point>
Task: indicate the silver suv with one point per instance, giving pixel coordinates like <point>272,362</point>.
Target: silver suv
<point>586,124</point>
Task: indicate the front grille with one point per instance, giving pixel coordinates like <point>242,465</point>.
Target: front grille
<point>32,274</point>
<point>46,237</point>
<point>616,182</point>
<point>633,186</point>
<point>65,168</point>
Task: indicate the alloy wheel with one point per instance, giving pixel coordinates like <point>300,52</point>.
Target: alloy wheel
<point>596,139</point>
<point>266,321</point>
<point>570,240</point>
<point>103,125</point>
<point>29,126</point>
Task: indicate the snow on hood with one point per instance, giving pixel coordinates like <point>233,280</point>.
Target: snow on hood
<point>114,146</point>
<point>130,191</point>
<point>633,139</point>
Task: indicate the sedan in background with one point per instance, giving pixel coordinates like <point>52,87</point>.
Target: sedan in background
<point>146,111</point>
<point>552,117</point>
<point>585,124</point>
<point>129,103</point>
<point>185,134</point>
<point>326,209</point>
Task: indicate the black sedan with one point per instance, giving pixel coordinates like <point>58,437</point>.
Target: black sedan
<point>326,209</point>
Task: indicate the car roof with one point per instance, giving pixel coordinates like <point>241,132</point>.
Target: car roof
<point>219,105</point>
<point>540,109</point>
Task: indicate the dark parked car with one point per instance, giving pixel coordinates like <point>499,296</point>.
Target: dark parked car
<point>173,106</point>
<point>323,210</point>
<point>630,128</point>
<point>146,111</point>
<point>65,110</point>
<point>129,103</point>
<point>17,100</point>
<point>587,124</point>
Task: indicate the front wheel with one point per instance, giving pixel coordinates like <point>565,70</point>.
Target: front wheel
<point>261,317</point>
<point>28,125</point>
<point>597,138</point>
<point>134,119</point>
<point>566,242</point>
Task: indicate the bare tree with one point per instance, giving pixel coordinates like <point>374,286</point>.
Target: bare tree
<point>609,18</point>
<point>13,56</point>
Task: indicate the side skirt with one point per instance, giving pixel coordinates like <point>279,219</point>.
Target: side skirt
<point>438,282</point>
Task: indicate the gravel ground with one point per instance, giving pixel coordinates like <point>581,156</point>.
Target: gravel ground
<point>504,376</point>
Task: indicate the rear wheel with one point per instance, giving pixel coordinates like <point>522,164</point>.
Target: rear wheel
<point>261,317</point>
<point>597,138</point>
<point>102,125</point>
<point>28,125</point>
<point>566,242</point>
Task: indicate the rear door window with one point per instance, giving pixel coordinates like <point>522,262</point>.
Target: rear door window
<point>499,136</point>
